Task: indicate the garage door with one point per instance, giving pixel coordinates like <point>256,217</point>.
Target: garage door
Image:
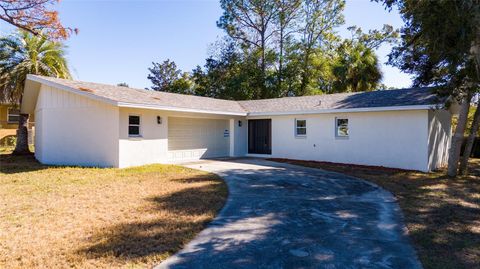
<point>193,138</point>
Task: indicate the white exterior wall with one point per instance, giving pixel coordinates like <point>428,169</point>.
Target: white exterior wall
<point>39,139</point>
<point>152,147</point>
<point>439,137</point>
<point>74,130</point>
<point>392,139</point>
<point>240,135</point>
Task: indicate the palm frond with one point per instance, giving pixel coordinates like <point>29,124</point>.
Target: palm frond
<point>22,54</point>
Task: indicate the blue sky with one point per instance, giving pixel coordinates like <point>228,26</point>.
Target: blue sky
<point>118,40</point>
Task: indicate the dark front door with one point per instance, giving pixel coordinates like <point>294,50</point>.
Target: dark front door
<point>260,136</point>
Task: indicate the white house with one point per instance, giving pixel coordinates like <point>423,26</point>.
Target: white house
<point>91,124</point>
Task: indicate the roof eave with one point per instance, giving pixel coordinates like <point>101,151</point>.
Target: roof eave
<point>348,110</point>
<point>128,104</point>
<point>180,109</point>
<point>71,90</point>
<point>230,113</point>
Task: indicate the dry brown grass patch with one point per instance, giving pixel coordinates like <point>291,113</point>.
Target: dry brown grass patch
<point>64,217</point>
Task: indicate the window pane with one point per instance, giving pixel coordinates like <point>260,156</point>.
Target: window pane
<point>134,120</point>
<point>133,130</point>
<point>301,123</point>
<point>301,131</point>
<point>13,118</point>
<point>342,127</point>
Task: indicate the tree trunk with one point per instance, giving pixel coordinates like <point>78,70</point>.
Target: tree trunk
<point>469,145</point>
<point>280,63</point>
<point>305,73</point>
<point>263,64</point>
<point>21,147</point>
<point>475,51</point>
<point>456,144</point>
<point>264,69</point>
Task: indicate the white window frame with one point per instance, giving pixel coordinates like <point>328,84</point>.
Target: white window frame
<point>12,114</point>
<point>139,126</point>
<point>337,134</point>
<point>296,128</point>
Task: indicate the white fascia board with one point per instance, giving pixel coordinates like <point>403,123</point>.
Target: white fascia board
<point>179,109</point>
<point>346,110</point>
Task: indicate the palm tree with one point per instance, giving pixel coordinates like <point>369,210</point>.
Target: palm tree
<point>21,54</point>
<point>356,69</point>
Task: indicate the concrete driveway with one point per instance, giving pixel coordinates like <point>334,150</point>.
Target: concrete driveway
<point>286,216</point>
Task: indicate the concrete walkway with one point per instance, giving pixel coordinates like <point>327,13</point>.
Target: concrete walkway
<point>286,216</point>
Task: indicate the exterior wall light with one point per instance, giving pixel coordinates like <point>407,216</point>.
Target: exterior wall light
<point>239,123</point>
<point>159,120</point>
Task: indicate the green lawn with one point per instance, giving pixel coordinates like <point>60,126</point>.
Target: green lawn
<point>70,217</point>
<point>441,214</point>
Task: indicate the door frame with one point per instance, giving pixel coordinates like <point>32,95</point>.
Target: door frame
<point>248,137</point>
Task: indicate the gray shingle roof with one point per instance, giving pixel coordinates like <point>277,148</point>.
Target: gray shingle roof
<point>386,98</point>
<point>148,97</point>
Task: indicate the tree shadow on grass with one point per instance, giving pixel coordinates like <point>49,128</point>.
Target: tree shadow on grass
<point>153,240</point>
<point>193,201</point>
<point>445,237</point>
<point>11,164</point>
<point>443,214</point>
<point>130,241</point>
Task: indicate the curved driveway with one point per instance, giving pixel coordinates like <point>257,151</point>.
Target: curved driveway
<point>286,216</point>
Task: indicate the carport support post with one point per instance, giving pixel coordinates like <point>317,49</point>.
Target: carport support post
<point>232,137</point>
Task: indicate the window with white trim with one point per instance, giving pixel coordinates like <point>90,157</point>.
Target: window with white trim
<point>133,125</point>
<point>13,115</point>
<point>300,127</point>
<point>341,127</point>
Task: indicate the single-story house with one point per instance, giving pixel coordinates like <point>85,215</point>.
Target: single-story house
<point>92,124</point>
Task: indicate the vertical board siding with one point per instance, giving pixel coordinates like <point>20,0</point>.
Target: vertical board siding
<point>74,130</point>
<point>195,138</point>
